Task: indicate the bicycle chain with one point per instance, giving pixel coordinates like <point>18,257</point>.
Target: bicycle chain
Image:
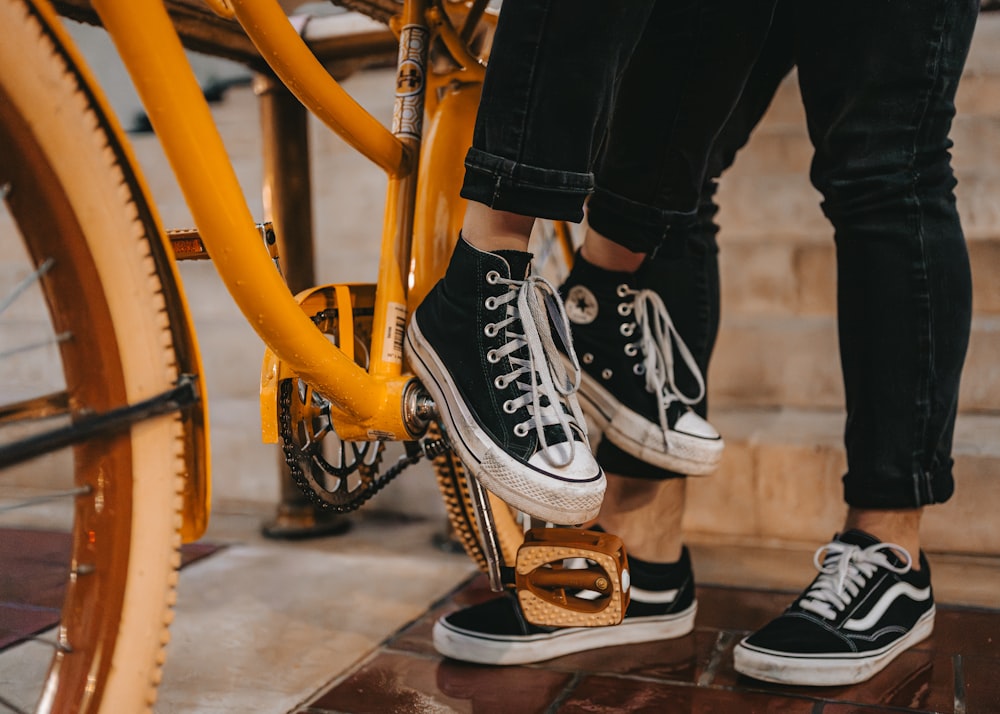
<point>428,448</point>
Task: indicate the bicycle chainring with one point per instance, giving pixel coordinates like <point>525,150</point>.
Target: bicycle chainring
<point>345,480</point>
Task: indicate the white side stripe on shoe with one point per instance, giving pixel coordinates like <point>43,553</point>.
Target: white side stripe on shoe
<point>654,597</point>
<point>890,596</point>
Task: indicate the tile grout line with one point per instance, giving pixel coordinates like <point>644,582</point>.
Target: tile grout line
<point>958,669</point>
<point>564,694</point>
<point>722,642</point>
<point>334,682</point>
<point>386,645</point>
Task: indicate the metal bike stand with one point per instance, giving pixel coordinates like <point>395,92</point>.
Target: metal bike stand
<point>288,206</point>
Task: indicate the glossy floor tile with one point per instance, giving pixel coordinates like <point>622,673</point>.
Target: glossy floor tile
<point>956,670</point>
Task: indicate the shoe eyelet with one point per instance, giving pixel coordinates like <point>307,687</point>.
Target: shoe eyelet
<point>491,303</point>
<point>627,328</point>
<point>588,358</point>
<point>631,350</point>
<point>492,357</point>
<point>622,290</point>
<point>492,277</point>
<point>607,374</point>
<point>520,430</point>
<point>508,407</point>
<point>500,383</point>
<point>490,330</point>
<point>639,369</point>
<point>624,309</point>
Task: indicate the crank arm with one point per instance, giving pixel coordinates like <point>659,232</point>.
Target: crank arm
<point>495,566</point>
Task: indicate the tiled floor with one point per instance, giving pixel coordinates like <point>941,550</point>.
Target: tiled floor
<point>343,625</point>
<point>32,579</point>
<point>957,670</point>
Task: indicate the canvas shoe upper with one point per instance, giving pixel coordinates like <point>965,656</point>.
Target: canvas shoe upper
<point>626,343</point>
<point>495,632</point>
<point>866,606</point>
<point>483,343</point>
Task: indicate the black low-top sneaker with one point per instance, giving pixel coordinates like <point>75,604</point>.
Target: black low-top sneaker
<point>495,632</point>
<point>482,344</point>
<point>625,341</point>
<point>865,607</point>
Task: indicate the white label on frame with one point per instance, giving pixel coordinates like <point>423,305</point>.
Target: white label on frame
<point>395,329</point>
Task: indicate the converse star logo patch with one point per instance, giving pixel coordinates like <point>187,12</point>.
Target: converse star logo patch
<point>581,305</point>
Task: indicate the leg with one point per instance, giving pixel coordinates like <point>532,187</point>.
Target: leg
<point>481,342</point>
<point>904,290</point>
<point>646,515</point>
<point>553,71</point>
<point>635,360</point>
<point>644,504</point>
<point>878,82</point>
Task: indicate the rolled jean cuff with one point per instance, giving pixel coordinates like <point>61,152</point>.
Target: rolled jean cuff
<point>637,226</point>
<point>507,185</point>
<point>923,489</point>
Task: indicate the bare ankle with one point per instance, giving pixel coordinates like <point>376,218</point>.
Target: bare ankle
<point>646,515</point>
<point>605,253</point>
<point>897,526</point>
<point>490,230</point>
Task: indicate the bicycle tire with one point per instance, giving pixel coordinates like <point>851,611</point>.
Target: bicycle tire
<point>73,198</point>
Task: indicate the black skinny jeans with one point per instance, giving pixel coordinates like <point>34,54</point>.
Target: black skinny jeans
<point>878,81</point>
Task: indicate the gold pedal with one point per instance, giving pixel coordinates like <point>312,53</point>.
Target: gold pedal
<point>187,244</point>
<point>555,593</point>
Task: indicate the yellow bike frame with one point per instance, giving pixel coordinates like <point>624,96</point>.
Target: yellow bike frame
<point>422,210</point>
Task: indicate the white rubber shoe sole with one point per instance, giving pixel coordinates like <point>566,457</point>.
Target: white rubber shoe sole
<point>692,448</point>
<point>825,670</point>
<point>470,646</point>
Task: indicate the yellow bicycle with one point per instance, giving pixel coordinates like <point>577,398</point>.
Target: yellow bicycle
<point>110,388</point>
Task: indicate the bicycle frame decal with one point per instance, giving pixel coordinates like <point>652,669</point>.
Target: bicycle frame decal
<point>392,348</point>
<point>408,112</point>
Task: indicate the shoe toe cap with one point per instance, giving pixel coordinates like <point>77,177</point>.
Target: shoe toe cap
<point>572,461</point>
<point>691,423</point>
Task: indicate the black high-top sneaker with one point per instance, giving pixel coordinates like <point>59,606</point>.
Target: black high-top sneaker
<point>866,606</point>
<point>625,342</point>
<point>662,607</point>
<point>482,345</point>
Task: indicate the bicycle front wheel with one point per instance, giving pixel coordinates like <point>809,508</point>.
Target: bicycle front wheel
<point>101,325</point>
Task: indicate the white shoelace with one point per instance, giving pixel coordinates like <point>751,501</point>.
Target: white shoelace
<point>534,301</point>
<point>844,571</point>
<point>657,337</point>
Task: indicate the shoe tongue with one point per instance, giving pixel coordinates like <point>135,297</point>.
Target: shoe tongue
<point>858,537</point>
<point>518,261</point>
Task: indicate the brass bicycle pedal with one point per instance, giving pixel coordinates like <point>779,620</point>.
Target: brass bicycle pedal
<point>555,593</point>
<point>188,245</point>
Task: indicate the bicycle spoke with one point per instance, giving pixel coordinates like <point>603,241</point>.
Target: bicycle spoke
<point>10,706</point>
<point>40,344</point>
<point>28,281</point>
<point>38,500</point>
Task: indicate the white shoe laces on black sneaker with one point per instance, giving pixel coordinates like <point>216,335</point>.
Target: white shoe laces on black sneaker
<point>845,570</point>
<point>533,301</point>
<point>657,338</point>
